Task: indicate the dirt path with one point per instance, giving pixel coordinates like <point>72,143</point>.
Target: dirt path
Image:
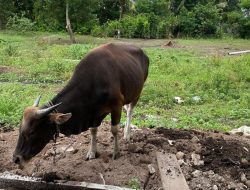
<point>209,160</point>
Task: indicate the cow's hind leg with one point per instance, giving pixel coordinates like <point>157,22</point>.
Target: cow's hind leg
<point>127,129</point>
<point>115,120</point>
<point>92,149</point>
<point>129,108</point>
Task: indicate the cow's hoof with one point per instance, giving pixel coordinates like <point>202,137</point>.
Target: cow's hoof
<point>126,137</point>
<point>115,155</point>
<point>90,155</point>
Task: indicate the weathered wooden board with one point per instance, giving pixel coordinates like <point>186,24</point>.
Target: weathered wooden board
<point>239,52</point>
<point>16,182</point>
<point>171,175</point>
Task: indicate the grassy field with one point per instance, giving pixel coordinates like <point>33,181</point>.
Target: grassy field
<point>41,63</point>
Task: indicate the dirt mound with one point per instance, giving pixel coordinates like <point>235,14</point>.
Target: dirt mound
<point>209,160</point>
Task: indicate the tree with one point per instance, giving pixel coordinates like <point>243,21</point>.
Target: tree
<point>6,10</point>
<point>160,7</point>
<point>68,24</point>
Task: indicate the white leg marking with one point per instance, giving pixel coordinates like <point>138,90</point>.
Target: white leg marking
<point>114,130</point>
<point>92,149</point>
<point>127,128</point>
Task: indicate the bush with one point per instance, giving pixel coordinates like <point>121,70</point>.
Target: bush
<point>98,31</point>
<point>20,24</point>
<point>135,26</point>
<point>112,27</point>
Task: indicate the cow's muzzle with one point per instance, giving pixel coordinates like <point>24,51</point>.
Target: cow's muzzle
<point>17,159</point>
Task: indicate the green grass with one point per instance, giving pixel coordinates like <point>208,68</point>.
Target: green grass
<point>41,63</point>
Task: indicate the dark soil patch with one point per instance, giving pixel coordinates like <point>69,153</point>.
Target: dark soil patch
<point>5,128</point>
<point>222,154</point>
<point>4,69</point>
<point>7,69</point>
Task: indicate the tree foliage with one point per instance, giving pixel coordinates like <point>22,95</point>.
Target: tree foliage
<point>133,18</point>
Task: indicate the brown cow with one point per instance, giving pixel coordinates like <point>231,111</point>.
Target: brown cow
<point>109,77</point>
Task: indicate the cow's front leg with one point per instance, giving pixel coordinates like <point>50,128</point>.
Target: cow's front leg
<point>92,149</point>
<point>115,120</point>
<point>114,130</point>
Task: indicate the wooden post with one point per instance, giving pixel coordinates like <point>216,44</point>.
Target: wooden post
<point>172,177</point>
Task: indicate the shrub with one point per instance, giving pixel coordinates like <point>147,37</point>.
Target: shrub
<point>135,26</point>
<point>111,27</point>
<point>98,31</point>
<point>21,24</point>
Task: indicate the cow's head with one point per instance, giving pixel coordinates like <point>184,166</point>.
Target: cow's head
<point>37,128</point>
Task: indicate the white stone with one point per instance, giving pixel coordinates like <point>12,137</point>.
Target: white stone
<point>197,173</point>
<point>195,139</point>
<point>243,177</point>
<point>171,142</point>
<point>243,129</point>
<point>247,183</point>
<point>245,149</point>
<point>196,159</point>
<point>178,100</point>
<point>179,155</point>
<point>215,187</point>
<point>196,99</point>
<point>151,169</point>
<point>174,119</point>
<point>181,162</point>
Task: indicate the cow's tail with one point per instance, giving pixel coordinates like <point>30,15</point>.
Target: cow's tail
<point>145,65</point>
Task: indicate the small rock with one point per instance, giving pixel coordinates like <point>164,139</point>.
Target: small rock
<point>244,161</point>
<point>231,186</point>
<point>181,162</point>
<point>215,187</point>
<point>247,183</point>
<point>178,100</point>
<point>243,177</point>
<point>71,150</point>
<point>196,159</point>
<point>2,137</point>
<point>195,139</point>
<point>210,173</point>
<point>196,99</point>
<point>245,149</point>
<point>245,130</point>
<point>171,142</point>
<point>174,119</point>
<point>179,155</point>
<point>151,169</point>
<point>197,173</point>
<point>61,135</point>
<point>133,127</point>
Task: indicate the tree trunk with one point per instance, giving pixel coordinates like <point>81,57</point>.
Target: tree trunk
<point>68,25</point>
<point>122,7</point>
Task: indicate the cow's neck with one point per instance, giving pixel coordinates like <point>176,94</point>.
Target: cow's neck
<point>80,120</point>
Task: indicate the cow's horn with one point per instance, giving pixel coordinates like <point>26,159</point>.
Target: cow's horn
<point>43,112</point>
<point>36,103</point>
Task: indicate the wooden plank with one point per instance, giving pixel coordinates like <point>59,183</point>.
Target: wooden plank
<point>239,52</point>
<point>12,181</point>
<point>172,177</point>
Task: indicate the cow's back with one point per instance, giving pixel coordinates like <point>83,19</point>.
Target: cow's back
<point>118,69</point>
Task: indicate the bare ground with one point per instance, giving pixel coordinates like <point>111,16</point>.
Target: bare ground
<point>224,161</point>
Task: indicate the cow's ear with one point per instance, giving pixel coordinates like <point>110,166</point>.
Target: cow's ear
<point>60,118</point>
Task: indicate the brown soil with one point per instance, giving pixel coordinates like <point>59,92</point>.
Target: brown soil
<point>226,158</point>
<point>7,69</point>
